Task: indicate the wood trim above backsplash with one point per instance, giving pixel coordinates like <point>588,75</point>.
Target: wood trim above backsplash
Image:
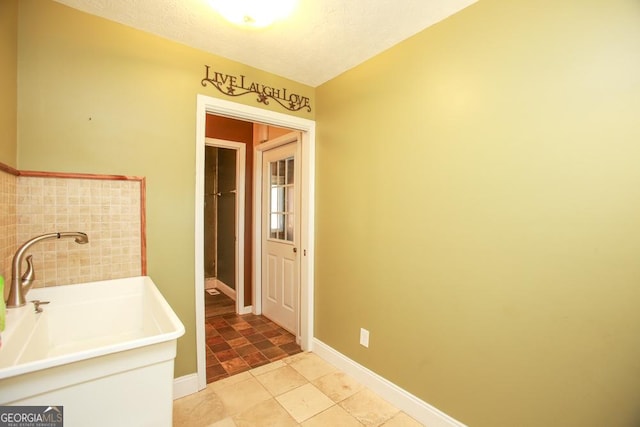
<point>8,169</point>
<point>79,176</point>
<point>143,198</point>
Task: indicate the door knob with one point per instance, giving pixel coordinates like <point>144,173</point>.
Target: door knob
<point>295,250</point>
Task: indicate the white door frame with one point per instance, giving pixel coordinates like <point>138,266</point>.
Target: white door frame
<point>241,156</point>
<point>221,107</point>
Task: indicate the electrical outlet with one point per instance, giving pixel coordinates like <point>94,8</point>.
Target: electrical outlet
<point>364,337</point>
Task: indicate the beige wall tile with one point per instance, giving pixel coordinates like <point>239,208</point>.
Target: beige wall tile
<point>93,206</point>
<point>8,225</point>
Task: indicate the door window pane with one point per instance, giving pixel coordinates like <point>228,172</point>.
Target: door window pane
<point>289,199</point>
<point>282,201</point>
<point>281,171</point>
<point>289,222</point>
<point>290,171</point>
<point>274,173</point>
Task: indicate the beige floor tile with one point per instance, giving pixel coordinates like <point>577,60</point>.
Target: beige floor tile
<point>293,358</point>
<point>198,409</point>
<point>338,386</point>
<point>311,366</point>
<point>334,416</point>
<point>234,379</point>
<point>227,422</point>
<point>369,408</point>
<point>402,420</point>
<point>240,396</point>
<point>268,367</point>
<point>268,413</point>
<point>281,380</point>
<point>246,399</point>
<point>304,402</point>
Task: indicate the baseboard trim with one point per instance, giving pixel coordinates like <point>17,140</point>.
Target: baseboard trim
<point>210,283</point>
<point>225,289</point>
<point>400,398</point>
<point>246,310</point>
<point>185,385</point>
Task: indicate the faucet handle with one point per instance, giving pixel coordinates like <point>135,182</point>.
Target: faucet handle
<point>37,303</point>
<point>29,275</point>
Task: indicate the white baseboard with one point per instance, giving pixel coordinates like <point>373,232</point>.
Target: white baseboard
<point>209,283</point>
<point>246,310</point>
<point>231,293</point>
<point>400,398</point>
<point>185,385</point>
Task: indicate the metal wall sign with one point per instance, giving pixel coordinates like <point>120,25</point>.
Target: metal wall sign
<point>239,85</point>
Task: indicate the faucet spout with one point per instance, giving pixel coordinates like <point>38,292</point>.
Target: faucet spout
<point>80,238</point>
<point>21,285</point>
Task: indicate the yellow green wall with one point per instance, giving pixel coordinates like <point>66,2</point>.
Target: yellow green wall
<point>477,193</point>
<point>478,210</point>
<point>8,80</point>
<point>99,97</point>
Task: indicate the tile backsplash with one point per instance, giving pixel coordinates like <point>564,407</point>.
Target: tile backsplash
<point>7,225</point>
<point>110,211</point>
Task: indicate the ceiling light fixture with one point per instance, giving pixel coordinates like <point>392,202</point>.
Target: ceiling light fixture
<point>254,13</point>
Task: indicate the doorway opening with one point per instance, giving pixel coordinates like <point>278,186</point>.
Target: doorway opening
<point>251,301</point>
<point>224,210</point>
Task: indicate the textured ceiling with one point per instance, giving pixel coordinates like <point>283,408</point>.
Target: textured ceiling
<point>322,39</point>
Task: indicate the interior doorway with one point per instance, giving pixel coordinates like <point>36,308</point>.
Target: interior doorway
<point>223,217</point>
<point>252,301</point>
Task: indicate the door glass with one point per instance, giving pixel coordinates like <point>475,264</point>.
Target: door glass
<point>290,170</point>
<point>281,203</point>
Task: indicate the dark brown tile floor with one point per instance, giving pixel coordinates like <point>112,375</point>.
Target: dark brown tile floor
<point>237,343</point>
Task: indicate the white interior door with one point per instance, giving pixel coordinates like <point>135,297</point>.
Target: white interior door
<point>281,235</point>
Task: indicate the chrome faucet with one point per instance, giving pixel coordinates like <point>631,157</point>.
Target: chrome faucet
<point>20,286</point>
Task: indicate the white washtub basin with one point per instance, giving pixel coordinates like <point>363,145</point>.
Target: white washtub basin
<point>102,348</point>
